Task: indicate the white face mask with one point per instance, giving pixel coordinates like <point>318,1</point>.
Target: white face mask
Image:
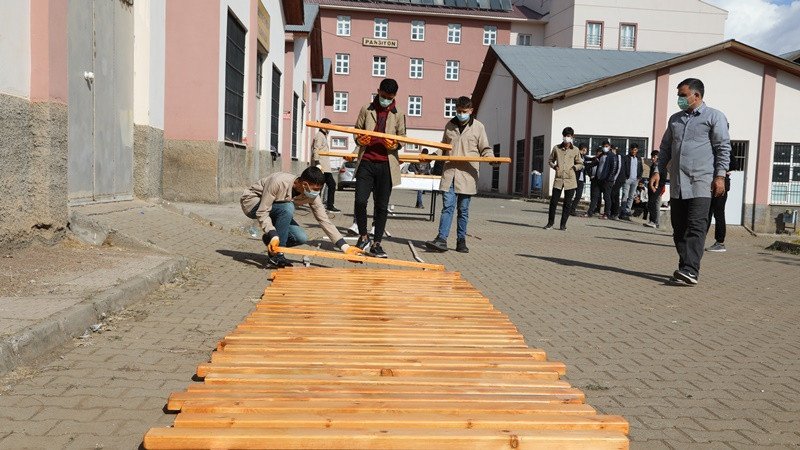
<point>568,140</point>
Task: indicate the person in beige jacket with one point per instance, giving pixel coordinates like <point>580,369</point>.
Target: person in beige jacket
<point>460,179</point>
<point>320,144</point>
<point>378,168</point>
<point>566,160</point>
<point>272,201</point>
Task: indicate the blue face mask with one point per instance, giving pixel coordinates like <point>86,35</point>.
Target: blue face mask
<point>384,102</point>
<point>462,117</point>
<point>310,194</point>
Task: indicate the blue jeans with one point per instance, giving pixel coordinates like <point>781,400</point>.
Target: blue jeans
<point>282,216</point>
<point>449,200</point>
<point>419,198</point>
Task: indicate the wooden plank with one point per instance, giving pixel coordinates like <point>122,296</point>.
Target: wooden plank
<point>343,352</point>
<point>364,370</point>
<point>378,134</point>
<point>352,258</point>
<point>380,438</point>
<point>418,158</point>
<point>319,323</point>
<point>401,420</point>
<point>366,406</point>
<point>356,273</point>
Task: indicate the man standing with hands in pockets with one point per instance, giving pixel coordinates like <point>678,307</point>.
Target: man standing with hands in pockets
<point>698,144</point>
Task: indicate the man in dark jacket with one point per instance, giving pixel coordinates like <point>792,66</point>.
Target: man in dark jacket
<point>607,167</point>
<point>581,178</point>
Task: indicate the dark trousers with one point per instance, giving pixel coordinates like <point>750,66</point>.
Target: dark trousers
<point>717,210</point>
<point>577,199</point>
<point>689,228</point>
<point>654,202</point>
<point>616,191</point>
<point>331,184</point>
<point>595,191</point>
<point>565,208</point>
<point>606,187</point>
<point>373,178</point>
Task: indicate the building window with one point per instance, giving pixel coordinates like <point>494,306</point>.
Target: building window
<point>381,29</point>
<point>342,63</point>
<point>786,174</point>
<point>412,148</point>
<point>234,80</point>
<point>519,166</point>
<point>524,39</point>
<point>338,142</point>
<point>594,34</point>
<point>343,25</point>
<point>295,102</point>
<point>739,151</point>
<point>621,142</point>
<point>340,101</point>
<point>276,109</point>
<point>489,35</point>
<point>259,73</point>
<point>627,37</point>
<point>417,30</point>
<point>414,106</point>
<point>378,66</point>
<point>453,33</point>
<point>449,107</point>
<point>415,68</point>
<point>451,70</point>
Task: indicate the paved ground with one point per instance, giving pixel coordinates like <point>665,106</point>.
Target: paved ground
<point>712,366</point>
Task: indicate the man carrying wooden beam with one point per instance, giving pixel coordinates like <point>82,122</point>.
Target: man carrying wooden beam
<point>378,168</point>
<point>459,178</point>
<point>272,201</point>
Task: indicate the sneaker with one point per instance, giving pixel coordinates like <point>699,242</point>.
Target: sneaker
<point>650,224</point>
<point>716,248</point>
<point>420,206</point>
<point>604,217</point>
<point>613,218</point>
<point>586,216</point>
<point>461,246</point>
<point>334,209</point>
<point>353,230</point>
<point>377,251</point>
<point>685,276</point>
<point>563,228</point>
<point>438,244</point>
<point>364,244</point>
<point>279,261</point>
<point>549,226</point>
<point>625,218</point>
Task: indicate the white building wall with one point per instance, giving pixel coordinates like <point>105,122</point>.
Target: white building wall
<point>495,114</point>
<point>733,85</point>
<point>275,58</point>
<point>787,99</point>
<point>535,29</point>
<point>560,25</point>
<point>15,48</point>
<point>149,62</point>
<point>240,9</point>
<point>301,71</point>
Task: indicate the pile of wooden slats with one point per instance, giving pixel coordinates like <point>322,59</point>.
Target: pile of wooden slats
<point>353,358</point>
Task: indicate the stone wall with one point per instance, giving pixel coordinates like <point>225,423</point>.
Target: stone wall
<point>33,172</point>
<point>148,151</point>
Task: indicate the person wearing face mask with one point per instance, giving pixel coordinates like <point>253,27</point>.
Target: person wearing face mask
<point>698,146</point>
<point>566,160</point>
<point>272,201</point>
<point>605,175</point>
<point>378,168</point>
<point>320,144</point>
<point>460,179</point>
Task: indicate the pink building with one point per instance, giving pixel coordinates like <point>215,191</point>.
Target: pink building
<point>434,52</point>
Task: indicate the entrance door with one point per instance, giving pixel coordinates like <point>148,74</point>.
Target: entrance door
<point>734,206</point>
<point>100,48</point>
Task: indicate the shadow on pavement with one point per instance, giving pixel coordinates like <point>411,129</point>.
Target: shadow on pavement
<point>516,224</point>
<point>254,259</point>
<point>568,262</point>
<point>641,228</point>
<point>634,241</point>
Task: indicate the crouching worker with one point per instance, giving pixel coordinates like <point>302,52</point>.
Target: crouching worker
<point>272,201</point>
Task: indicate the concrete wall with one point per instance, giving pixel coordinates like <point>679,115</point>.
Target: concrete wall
<point>495,114</point>
<point>15,48</point>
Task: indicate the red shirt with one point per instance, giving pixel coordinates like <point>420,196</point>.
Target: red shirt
<point>376,151</point>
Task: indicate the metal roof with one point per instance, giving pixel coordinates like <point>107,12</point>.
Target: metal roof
<point>543,71</point>
<point>310,11</point>
<point>792,56</point>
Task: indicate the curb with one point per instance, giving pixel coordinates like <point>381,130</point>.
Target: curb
<point>41,338</point>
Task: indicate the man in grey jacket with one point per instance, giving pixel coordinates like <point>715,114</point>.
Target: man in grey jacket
<point>698,144</point>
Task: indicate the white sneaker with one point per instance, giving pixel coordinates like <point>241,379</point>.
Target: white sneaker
<point>650,224</point>
<point>353,230</point>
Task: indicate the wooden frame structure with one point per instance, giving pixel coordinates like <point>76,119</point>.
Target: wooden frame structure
<point>348,358</point>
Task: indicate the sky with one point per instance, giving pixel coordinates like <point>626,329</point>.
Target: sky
<point>772,26</point>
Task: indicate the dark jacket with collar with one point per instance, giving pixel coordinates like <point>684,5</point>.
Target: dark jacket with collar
<point>608,164</point>
<point>626,167</point>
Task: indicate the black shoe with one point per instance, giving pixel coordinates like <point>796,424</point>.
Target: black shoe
<point>419,206</point>
<point>461,246</point>
<point>685,276</point>
<point>334,209</point>
<point>549,226</point>
<point>438,244</point>
<point>377,251</point>
<point>563,228</point>
<point>363,244</point>
<point>279,261</point>
<point>625,218</point>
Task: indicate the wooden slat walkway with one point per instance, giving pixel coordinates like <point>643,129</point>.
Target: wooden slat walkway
<point>353,358</point>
